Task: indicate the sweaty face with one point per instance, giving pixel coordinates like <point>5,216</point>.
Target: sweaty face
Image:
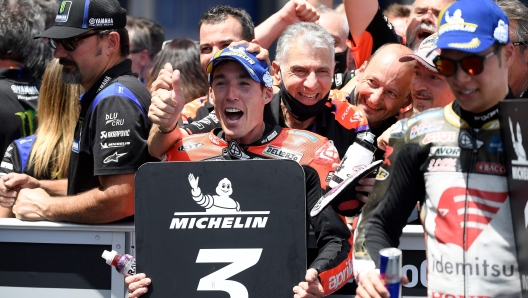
<point>423,20</point>
<point>224,188</point>
<point>480,92</point>
<point>383,87</point>
<point>429,89</point>
<point>215,37</point>
<point>239,102</point>
<point>307,73</point>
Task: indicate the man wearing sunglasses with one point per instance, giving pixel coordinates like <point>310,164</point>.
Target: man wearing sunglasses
<point>91,42</point>
<point>448,160</point>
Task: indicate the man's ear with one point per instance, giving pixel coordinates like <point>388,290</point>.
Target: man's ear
<point>113,41</point>
<point>276,70</point>
<point>509,55</point>
<point>268,95</point>
<point>361,70</point>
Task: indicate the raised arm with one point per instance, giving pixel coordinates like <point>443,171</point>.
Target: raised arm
<point>359,15</point>
<point>294,11</point>
<point>165,111</point>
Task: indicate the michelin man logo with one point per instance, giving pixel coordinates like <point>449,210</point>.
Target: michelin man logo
<point>455,18</point>
<point>501,32</point>
<point>219,203</point>
<point>517,145</point>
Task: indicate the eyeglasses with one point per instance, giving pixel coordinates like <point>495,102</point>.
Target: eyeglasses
<point>69,43</point>
<point>472,65</point>
<point>519,43</point>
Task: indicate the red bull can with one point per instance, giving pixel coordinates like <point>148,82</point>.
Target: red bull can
<point>390,270</point>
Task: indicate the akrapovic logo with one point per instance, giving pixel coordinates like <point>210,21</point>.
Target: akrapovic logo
<point>115,134</point>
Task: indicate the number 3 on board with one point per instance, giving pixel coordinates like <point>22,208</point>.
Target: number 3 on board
<point>241,259</point>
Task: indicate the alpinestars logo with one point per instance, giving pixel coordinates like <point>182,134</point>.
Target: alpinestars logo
<point>481,208</point>
<point>220,210</point>
<point>235,151</point>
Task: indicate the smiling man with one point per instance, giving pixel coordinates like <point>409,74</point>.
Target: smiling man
<point>428,87</point>
<point>384,88</point>
<point>241,88</point>
<point>442,159</point>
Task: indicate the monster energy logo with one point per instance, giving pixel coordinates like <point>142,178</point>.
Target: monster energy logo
<point>64,11</point>
<point>28,122</point>
<point>62,7</point>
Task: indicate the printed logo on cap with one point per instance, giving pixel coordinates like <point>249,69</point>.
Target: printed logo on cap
<point>473,44</point>
<point>64,12</point>
<point>455,22</point>
<point>501,32</point>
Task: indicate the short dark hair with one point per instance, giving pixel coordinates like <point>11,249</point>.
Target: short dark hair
<point>157,36</point>
<point>124,41</point>
<point>220,13</point>
<point>147,34</point>
<point>20,21</point>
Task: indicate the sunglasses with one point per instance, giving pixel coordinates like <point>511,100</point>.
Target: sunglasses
<point>519,43</point>
<point>472,65</point>
<point>69,43</point>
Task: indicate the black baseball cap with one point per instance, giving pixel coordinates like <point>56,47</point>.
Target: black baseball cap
<point>78,16</point>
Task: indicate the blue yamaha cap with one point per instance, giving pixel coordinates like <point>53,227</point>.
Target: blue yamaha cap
<point>78,16</point>
<point>472,26</point>
<point>257,69</point>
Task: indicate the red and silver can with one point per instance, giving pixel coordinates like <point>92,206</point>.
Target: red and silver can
<point>390,270</point>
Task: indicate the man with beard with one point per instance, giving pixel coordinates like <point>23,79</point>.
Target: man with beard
<point>370,29</point>
<point>109,144</point>
<point>429,88</point>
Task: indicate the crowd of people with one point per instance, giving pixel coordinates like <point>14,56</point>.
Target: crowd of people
<point>405,74</point>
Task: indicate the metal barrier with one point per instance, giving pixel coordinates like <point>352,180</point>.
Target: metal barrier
<point>48,259</point>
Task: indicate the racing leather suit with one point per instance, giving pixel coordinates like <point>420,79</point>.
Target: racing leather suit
<point>316,155</point>
<point>456,171</point>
